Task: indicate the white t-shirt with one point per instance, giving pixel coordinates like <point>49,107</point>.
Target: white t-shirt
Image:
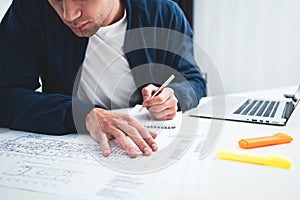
<point>106,78</point>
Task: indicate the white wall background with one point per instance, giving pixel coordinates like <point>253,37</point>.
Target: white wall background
<point>255,44</point>
<point>4,4</point>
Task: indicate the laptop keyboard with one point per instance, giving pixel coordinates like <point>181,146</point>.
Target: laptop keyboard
<point>258,108</point>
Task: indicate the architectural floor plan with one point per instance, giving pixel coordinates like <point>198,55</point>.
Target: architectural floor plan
<point>72,165</point>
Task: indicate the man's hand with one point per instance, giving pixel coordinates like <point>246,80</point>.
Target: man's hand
<point>163,106</point>
<point>104,125</point>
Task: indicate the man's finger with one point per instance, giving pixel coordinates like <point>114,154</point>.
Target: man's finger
<point>148,91</point>
<point>124,142</point>
<point>136,136</point>
<point>153,134</point>
<point>161,98</point>
<point>165,114</point>
<point>147,135</point>
<point>103,141</point>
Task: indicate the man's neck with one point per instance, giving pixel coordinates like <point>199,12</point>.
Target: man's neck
<point>116,14</point>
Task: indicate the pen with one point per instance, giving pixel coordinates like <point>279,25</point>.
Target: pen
<point>167,82</point>
<point>268,160</point>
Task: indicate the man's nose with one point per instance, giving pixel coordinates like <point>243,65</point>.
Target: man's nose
<point>71,11</point>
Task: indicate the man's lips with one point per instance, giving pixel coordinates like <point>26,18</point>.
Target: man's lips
<point>79,27</point>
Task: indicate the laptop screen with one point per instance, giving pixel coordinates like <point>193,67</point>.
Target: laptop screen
<point>296,96</point>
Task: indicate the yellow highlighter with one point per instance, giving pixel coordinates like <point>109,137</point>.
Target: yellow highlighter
<point>268,160</point>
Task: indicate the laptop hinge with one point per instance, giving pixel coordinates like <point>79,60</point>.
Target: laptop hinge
<point>288,109</point>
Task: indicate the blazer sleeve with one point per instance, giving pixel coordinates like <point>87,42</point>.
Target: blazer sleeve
<point>21,106</point>
<point>159,43</point>
<point>190,90</point>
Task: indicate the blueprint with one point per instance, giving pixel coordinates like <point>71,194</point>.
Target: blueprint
<point>72,165</point>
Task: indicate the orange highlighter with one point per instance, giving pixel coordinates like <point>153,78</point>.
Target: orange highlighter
<point>278,138</point>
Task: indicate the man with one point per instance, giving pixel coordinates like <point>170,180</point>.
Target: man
<point>53,40</point>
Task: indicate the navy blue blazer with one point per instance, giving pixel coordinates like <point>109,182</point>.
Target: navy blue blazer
<point>35,43</point>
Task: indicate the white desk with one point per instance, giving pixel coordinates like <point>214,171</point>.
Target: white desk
<point>227,179</point>
<point>234,180</point>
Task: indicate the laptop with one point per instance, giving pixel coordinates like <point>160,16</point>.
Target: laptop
<point>263,111</point>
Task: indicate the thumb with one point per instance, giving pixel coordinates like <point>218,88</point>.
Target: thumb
<point>148,91</point>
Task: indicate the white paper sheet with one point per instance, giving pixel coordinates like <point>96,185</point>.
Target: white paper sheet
<point>72,165</point>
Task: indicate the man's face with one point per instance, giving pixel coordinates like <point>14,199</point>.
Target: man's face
<point>84,17</point>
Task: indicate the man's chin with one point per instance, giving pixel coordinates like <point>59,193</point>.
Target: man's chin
<point>87,30</point>
<point>83,33</point>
